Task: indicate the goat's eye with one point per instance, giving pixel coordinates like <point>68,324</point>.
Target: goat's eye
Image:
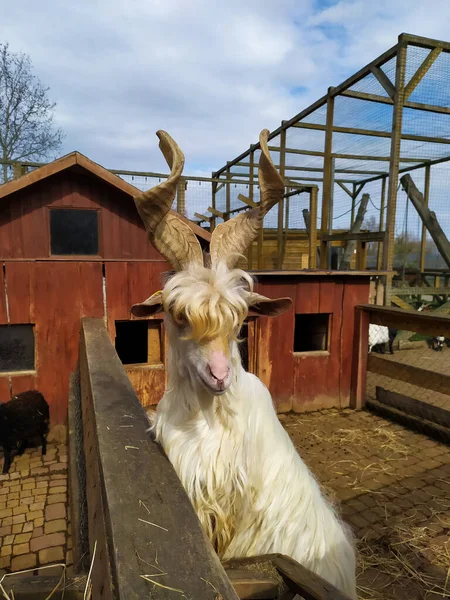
<point>180,319</point>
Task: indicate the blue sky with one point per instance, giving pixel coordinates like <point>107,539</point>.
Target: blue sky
<point>211,73</point>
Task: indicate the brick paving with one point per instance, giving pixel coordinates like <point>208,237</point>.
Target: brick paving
<point>392,486</point>
<point>34,517</point>
<point>425,358</point>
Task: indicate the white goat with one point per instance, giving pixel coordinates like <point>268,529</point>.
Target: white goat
<point>378,334</point>
<point>217,424</point>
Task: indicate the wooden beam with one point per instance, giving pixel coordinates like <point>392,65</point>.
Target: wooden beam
<point>345,188</point>
<point>249,585</point>
<point>389,242</point>
<point>420,409</point>
<point>359,366</point>
<point>314,255</point>
<point>381,99</point>
<point>381,223</point>
<point>280,255</point>
<point>421,72</point>
<point>354,230</point>
<point>383,80</point>
<point>367,97</point>
<point>369,236</point>
<point>344,156</point>
<point>428,217</point>
<point>246,200</point>
<point>423,239</point>
<point>216,213</point>
<point>328,182</point>
<point>421,291</point>
<point>420,322</point>
<point>202,217</point>
<point>424,378</point>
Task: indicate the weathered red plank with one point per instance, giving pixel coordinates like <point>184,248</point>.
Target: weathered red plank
<point>117,308</point>
<point>275,347</point>
<point>22,383</point>
<point>307,297</point>
<point>3,312</point>
<point>63,292</point>
<point>356,291</point>
<point>20,301</point>
<point>5,393</point>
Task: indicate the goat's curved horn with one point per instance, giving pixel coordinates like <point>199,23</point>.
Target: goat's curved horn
<point>169,234</point>
<point>231,238</point>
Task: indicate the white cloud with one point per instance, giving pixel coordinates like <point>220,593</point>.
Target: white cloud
<point>212,73</point>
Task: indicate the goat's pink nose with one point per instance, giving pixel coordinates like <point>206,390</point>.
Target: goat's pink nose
<point>219,365</point>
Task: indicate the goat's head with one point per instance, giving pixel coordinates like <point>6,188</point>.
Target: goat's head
<point>207,299</point>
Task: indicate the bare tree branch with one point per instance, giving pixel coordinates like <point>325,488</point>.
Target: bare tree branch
<point>27,130</point>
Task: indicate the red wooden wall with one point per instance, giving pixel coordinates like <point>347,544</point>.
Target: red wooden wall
<point>309,380</point>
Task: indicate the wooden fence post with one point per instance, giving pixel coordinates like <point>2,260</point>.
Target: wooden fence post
<point>360,353</point>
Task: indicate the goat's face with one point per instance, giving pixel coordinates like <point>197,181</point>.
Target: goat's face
<point>205,309</point>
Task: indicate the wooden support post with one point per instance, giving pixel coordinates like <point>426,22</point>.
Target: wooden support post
<point>313,250</point>
<point>423,241</point>
<point>381,226</point>
<point>356,227</point>
<point>212,225</point>
<point>399,98</point>
<point>353,196</point>
<point>227,195</point>
<point>327,189</point>
<point>428,217</point>
<point>361,349</point>
<point>281,202</point>
<point>181,196</point>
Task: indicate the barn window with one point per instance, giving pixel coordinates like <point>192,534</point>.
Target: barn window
<point>139,342</point>
<point>73,232</point>
<point>16,348</point>
<point>311,332</point>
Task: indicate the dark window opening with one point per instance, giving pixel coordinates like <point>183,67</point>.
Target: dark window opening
<point>311,332</point>
<point>243,345</point>
<point>73,231</point>
<point>139,342</point>
<point>16,348</point>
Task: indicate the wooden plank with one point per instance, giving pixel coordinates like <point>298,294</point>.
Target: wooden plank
<point>148,383</point>
<point>215,212</point>
<point>3,311</point>
<point>428,428</point>
<point>246,200</point>
<point>314,256</point>
<point>328,182</point>
<point>421,291</point>
<point>248,585</point>
<point>411,406</point>
<point>280,255</point>
<point>345,188</point>
<point>359,367</point>
<point>5,389</point>
<point>354,229</point>
<point>381,223</point>
<point>421,71</point>
<point>296,577</point>
<point>305,583</point>
<point>383,80</point>
<point>428,217</point>
<point>423,378</point>
<point>123,452</point>
<point>420,322</point>
<point>19,283</point>
<point>369,236</point>
<point>275,343</point>
<point>401,303</point>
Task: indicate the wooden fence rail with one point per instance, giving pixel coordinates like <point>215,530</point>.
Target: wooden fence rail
<point>407,320</point>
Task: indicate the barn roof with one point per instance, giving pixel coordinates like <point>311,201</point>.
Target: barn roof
<point>75,159</point>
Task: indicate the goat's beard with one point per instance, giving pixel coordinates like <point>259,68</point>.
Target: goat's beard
<point>207,404</point>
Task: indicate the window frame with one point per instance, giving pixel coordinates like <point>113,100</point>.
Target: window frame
<point>325,352</point>
<point>75,256</point>
<point>20,372</point>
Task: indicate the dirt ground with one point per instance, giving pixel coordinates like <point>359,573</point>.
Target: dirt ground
<point>392,486</point>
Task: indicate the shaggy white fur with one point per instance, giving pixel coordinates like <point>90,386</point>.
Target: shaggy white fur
<point>251,491</point>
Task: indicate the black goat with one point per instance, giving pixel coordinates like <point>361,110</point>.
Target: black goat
<point>23,420</point>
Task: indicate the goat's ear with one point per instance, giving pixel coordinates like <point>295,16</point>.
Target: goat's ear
<point>149,307</point>
<point>267,307</point>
